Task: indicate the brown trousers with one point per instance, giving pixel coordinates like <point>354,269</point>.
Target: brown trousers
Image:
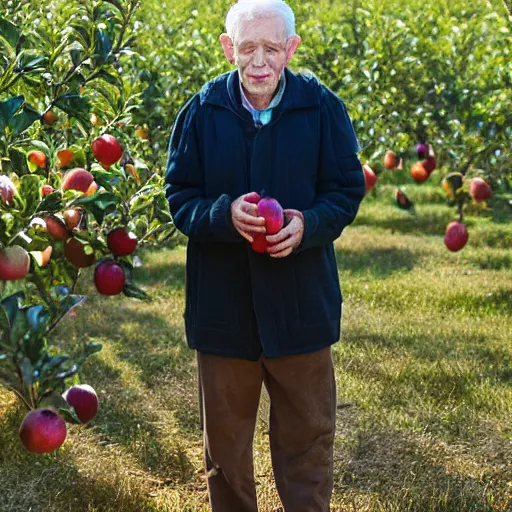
<point>302,394</point>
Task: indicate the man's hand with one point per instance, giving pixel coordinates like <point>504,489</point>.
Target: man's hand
<point>243,213</point>
<point>289,238</point>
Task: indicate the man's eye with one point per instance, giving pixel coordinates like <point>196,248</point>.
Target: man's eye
<point>271,50</point>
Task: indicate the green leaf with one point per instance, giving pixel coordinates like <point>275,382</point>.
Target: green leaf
<point>69,302</point>
<point>51,203</point>
<point>33,346</point>
<point>39,144</point>
<point>91,348</point>
<point>25,119</point>
<point>38,319</point>
<point>103,47</point>
<point>53,363</point>
<point>28,62</point>
<point>64,409</point>
<point>27,372</point>
<point>29,189</point>
<point>11,306</point>
<point>101,200</point>
<point>82,36</point>
<point>132,290</point>
<point>8,108</point>
<point>67,373</point>
<point>117,4</point>
<point>9,32</point>
<point>76,106</point>
<point>18,160</point>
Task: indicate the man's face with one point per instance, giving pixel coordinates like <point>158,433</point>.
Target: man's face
<point>260,54</point>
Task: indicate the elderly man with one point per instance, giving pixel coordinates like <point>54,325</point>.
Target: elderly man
<point>264,318</point>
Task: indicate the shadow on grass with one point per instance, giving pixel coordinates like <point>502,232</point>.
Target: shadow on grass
<point>424,222</point>
<point>439,352</point>
<point>408,473</point>
<point>378,263</point>
<point>133,418</point>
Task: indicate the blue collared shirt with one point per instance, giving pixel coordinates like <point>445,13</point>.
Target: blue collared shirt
<point>262,117</point>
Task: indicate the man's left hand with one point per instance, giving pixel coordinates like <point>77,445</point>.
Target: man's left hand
<point>289,238</point>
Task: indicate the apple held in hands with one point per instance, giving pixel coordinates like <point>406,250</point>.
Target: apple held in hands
<point>270,209</point>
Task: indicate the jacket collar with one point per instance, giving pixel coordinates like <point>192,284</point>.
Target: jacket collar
<point>224,91</point>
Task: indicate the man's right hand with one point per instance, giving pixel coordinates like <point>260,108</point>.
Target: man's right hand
<point>244,215</point>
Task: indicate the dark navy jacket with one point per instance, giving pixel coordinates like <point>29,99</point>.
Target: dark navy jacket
<point>238,302</point>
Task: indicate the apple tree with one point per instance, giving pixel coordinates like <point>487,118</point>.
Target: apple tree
<point>73,194</point>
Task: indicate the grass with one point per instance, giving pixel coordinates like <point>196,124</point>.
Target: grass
<point>424,374</point>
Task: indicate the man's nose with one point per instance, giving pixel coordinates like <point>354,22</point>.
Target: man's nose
<point>259,57</point>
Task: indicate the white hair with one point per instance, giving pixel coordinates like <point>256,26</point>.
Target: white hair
<point>251,9</point>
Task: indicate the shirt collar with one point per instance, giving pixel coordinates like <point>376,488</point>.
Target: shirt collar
<point>264,116</point>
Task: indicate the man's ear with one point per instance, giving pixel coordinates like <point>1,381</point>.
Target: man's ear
<point>291,45</point>
<point>228,47</point>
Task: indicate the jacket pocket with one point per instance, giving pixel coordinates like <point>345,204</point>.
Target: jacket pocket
<point>214,302</point>
<point>318,289</point>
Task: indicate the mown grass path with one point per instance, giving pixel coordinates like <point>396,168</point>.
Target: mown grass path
<point>424,374</point>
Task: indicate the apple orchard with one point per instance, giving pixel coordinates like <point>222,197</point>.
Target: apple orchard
<point>85,114</point>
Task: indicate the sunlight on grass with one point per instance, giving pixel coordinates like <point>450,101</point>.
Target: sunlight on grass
<point>424,373</point>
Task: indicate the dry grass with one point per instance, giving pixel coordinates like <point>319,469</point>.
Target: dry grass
<point>424,375</point>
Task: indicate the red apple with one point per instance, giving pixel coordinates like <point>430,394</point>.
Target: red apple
<point>107,150</point>
<point>429,163</point>
<point>259,243</point>
<point>75,253</point>
<point>65,157</point>
<point>77,179</point>
<point>422,150</point>
<point>72,217</point>
<point>7,189</point>
<point>370,178</point>
<point>270,209</point>
<point>390,160</point>
<point>84,400</point>
<point>56,227</point>
<point>479,189</point>
<point>49,118</point>
<point>14,263</point>
<point>456,236</point>
<point>121,242</point>
<point>419,173</point>
<point>402,201</point>
<point>37,158</point>
<point>109,277</point>
<point>42,430</point>
<point>46,190</point>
